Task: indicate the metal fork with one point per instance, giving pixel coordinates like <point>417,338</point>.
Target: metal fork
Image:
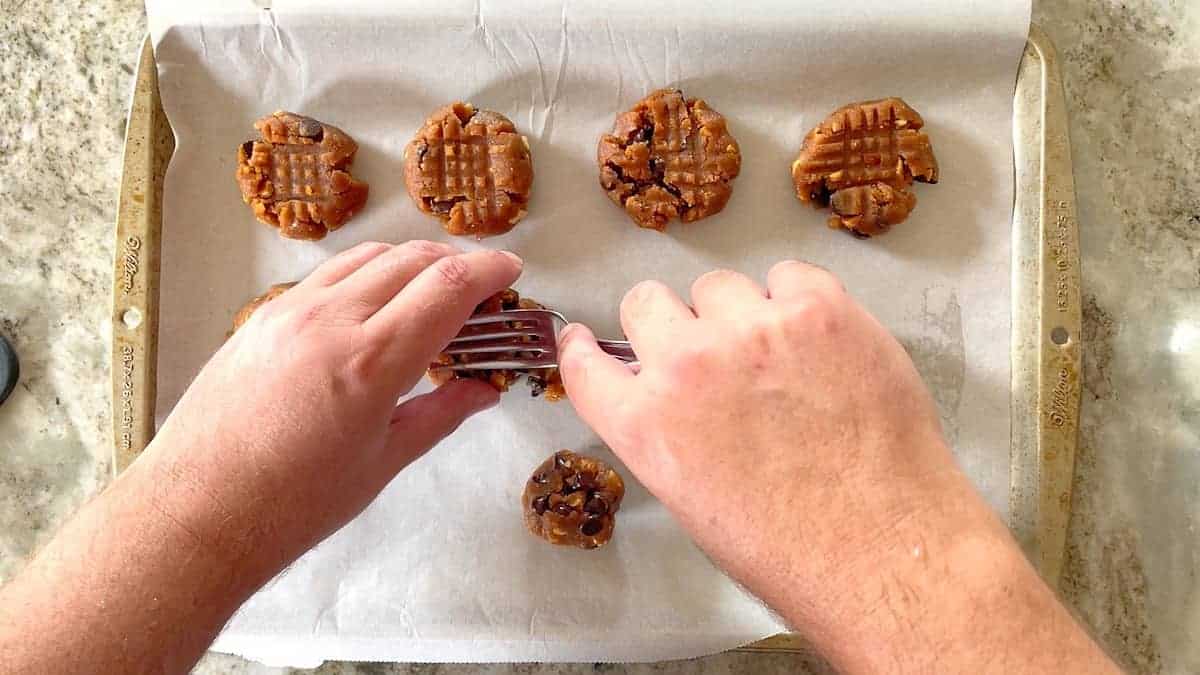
<point>520,339</point>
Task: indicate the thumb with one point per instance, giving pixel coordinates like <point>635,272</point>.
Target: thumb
<point>422,422</point>
<point>597,384</point>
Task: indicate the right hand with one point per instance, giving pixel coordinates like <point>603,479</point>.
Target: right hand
<point>785,429</point>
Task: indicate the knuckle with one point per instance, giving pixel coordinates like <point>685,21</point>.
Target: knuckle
<point>454,272</point>
<point>812,312</point>
<point>363,365</point>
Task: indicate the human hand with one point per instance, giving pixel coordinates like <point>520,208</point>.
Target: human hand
<point>292,428</point>
<point>785,428</point>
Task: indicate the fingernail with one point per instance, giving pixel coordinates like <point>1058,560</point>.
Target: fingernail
<point>515,258</point>
<point>567,331</point>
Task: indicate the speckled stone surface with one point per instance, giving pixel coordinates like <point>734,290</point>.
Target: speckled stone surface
<point>1132,72</point>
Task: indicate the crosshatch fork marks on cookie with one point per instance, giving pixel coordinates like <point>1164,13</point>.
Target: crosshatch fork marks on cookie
<point>471,169</point>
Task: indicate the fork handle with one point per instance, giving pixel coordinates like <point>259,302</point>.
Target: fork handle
<point>619,349</point>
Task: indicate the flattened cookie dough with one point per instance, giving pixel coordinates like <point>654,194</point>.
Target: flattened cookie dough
<point>572,500</point>
<point>471,169</point>
<point>861,162</point>
<point>251,307</point>
<point>542,382</point>
<point>669,157</point>
<point>296,178</point>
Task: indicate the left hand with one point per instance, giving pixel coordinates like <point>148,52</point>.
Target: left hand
<point>292,428</point>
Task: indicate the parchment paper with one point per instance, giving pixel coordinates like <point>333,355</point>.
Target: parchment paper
<point>439,567</point>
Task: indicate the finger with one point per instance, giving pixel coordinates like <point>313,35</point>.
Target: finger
<point>418,322</point>
<point>422,422</point>
<point>792,279</point>
<point>597,384</point>
<point>371,286</point>
<point>725,293</point>
<point>650,312</point>
<point>343,264</point>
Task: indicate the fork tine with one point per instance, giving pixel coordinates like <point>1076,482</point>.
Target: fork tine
<point>488,335</point>
<point>503,364</point>
<point>497,347</point>
<point>526,336</point>
<point>523,315</point>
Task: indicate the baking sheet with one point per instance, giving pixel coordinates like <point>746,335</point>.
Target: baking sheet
<point>422,578</point>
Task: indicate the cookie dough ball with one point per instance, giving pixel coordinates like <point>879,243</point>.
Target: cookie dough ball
<point>572,500</point>
<point>542,381</point>
<point>669,157</point>
<point>296,178</point>
<point>471,169</point>
<point>251,307</point>
<point>861,162</point>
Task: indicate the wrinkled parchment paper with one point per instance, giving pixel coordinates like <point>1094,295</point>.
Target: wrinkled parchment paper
<point>439,568</point>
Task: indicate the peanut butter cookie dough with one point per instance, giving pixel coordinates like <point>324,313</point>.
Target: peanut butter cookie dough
<point>471,169</point>
<point>542,382</point>
<point>861,162</point>
<point>669,157</point>
<point>572,500</point>
<point>296,178</point>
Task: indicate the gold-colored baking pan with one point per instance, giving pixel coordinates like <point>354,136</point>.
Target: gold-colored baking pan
<point>1045,311</point>
<point>149,143</point>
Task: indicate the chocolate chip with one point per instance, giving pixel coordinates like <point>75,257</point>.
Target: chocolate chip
<point>820,196</point>
<point>541,504</point>
<point>643,134</point>
<point>596,507</point>
<point>537,386</point>
<point>310,128</point>
<point>541,478</point>
<point>591,527</point>
<point>248,149</point>
<point>563,509</point>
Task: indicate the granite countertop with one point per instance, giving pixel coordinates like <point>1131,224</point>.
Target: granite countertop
<point>1132,72</point>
